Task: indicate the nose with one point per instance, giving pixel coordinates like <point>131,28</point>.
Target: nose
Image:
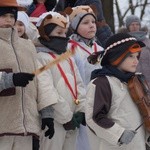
<point>8,19</point>
<point>92,24</point>
<point>136,60</point>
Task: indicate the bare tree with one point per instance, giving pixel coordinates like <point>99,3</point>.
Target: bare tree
<point>131,7</point>
<point>108,12</point>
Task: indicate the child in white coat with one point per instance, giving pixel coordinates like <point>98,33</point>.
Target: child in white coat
<point>83,23</point>
<point>111,113</point>
<point>63,80</point>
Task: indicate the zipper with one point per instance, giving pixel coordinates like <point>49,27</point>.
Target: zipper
<point>23,113</point>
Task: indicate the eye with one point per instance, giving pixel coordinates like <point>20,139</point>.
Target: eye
<point>93,22</point>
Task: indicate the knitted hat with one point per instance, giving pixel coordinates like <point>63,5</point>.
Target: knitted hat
<point>51,18</point>
<point>130,19</point>
<point>76,14</point>
<point>23,17</point>
<point>118,47</point>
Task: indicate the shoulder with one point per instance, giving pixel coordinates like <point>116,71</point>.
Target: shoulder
<point>101,82</point>
<point>26,42</point>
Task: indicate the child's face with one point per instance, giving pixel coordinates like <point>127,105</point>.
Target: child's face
<point>130,63</point>
<point>134,26</point>
<point>59,31</point>
<point>87,27</point>
<point>7,20</point>
<point>20,28</point>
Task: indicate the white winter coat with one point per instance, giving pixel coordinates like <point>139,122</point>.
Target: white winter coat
<point>85,68</point>
<point>124,113</point>
<point>57,89</point>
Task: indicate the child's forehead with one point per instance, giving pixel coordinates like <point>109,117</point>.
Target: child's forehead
<point>7,14</point>
<point>19,22</point>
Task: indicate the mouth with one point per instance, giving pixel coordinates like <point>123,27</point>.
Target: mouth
<point>134,67</point>
<point>91,31</point>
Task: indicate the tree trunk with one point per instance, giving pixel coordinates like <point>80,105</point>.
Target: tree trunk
<point>108,13</point>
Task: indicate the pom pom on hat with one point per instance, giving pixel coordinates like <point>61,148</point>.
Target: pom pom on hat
<point>23,17</point>
<point>130,19</point>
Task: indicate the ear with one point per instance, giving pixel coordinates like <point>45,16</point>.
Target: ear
<point>68,10</point>
<point>94,8</point>
<point>41,28</point>
<point>63,13</point>
<point>48,17</point>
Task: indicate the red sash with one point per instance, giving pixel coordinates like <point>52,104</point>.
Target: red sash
<point>74,93</point>
<point>74,44</point>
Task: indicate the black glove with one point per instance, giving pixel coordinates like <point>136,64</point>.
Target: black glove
<point>49,122</point>
<point>22,79</point>
<point>127,137</point>
<point>80,118</point>
<point>72,124</point>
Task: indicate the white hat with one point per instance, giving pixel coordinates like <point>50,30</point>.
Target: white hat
<point>23,17</point>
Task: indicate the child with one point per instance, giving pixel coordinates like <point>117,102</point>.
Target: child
<point>113,116</point>
<point>63,80</point>
<point>134,28</point>
<point>83,23</point>
<point>18,106</point>
<point>22,24</point>
<point>103,30</point>
<point>26,29</point>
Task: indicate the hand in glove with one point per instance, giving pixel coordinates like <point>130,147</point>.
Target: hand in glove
<point>80,118</point>
<point>127,137</point>
<point>50,124</point>
<point>72,124</point>
<point>22,79</point>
